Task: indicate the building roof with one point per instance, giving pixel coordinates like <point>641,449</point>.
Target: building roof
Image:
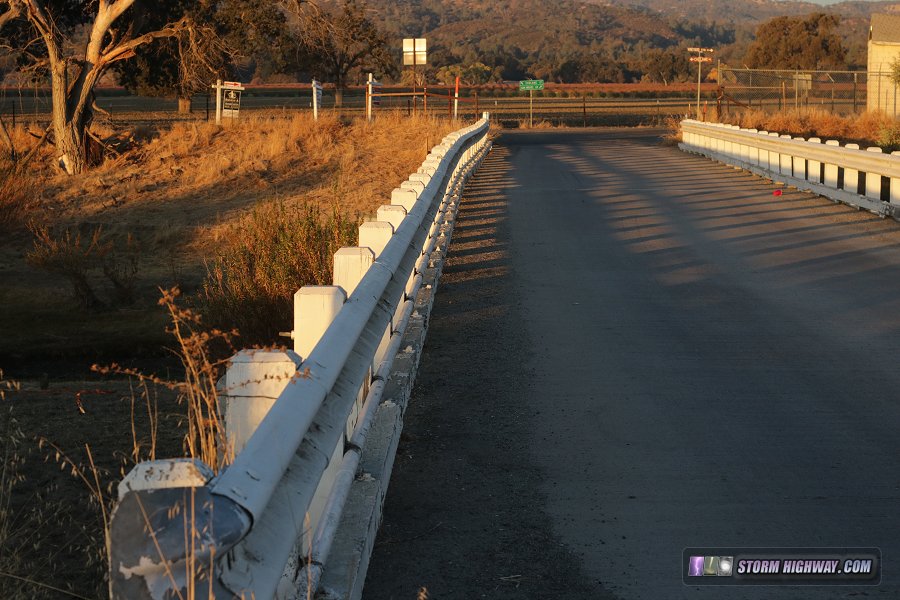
<point>885,28</point>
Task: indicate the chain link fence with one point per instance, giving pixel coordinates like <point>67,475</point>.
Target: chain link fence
<point>839,92</point>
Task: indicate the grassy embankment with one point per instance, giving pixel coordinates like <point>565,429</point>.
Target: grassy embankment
<point>238,217</point>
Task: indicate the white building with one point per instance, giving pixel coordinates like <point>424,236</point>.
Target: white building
<point>884,48</point>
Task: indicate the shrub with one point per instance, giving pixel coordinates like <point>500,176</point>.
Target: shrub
<point>889,137</point>
<point>16,197</point>
<point>251,283</point>
<point>75,255</point>
<point>70,256</point>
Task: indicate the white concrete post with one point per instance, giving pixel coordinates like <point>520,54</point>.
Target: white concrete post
<point>851,176</point>
<point>315,307</point>
<point>873,180</point>
<point>350,266</point>
<point>425,179</point>
<point>375,235</point>
<point>813,166</point>
<point>417,186</point>
<point>392,213</point>
<point>405,198</point>
<point>786,167</point>
<point>774,156</point>
<point>252,382</point>
<point>831,171</point>
<point>895,186</point>
<point>753,151</point>
<point>799,163</point>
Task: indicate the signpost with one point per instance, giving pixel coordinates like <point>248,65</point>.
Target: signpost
<point>700,59</point>
<point>531,86</point>
<point>228,99</point>
<point>414,54</point>
<point>373,98</point>
<point>317,98</point>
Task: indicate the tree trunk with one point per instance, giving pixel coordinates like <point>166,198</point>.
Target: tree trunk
<point>184,105</point>
<point>68,133</point>
<point>70,147</point>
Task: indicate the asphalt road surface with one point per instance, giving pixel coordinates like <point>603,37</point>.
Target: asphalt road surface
<point>635,351</point>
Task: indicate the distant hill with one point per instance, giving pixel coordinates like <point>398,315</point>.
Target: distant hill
<point>521,38</point>
<point>754,11</point>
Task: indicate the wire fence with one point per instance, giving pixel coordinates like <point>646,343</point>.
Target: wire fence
<point>839,92</point>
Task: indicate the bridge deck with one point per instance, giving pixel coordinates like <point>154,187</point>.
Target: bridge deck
<point>634,351</point>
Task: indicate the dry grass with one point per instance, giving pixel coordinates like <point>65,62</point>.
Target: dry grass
<point>180,193</point>
<point>867,129</point>
<point>538,124</point>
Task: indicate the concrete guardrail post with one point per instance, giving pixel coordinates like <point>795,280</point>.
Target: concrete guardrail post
<point>851,176</point>
<point>774,156</point>
<point>404,197</point>
<point>753,150</point>
<point>376,235</point>
<point>392,213</point>
<point>873,179</point>
<point>417,186</point>
<point>895,186</point>
<point>786,167</point>
<point>814,167</point>
<point>831,170</point>
<point>798,162</point>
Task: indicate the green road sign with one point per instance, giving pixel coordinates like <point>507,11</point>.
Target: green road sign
<point>531,85</point>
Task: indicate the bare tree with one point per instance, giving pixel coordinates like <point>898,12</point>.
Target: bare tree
<point>45,32</point>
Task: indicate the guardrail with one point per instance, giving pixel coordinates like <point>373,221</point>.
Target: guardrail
<point>867,179</point>
<point>265,525</point>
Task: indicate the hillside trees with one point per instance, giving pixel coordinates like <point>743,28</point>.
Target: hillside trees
<point>798,43</point>
<point>182,66</point>
<point>666,66</point>
<point>46,33</point>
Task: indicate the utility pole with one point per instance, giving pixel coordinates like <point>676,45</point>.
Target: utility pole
<point>700,59</point>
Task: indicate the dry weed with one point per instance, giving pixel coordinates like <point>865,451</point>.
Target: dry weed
<point>17,198</point>
<point>672,137</point>
<point>68,255</point>
<point>251,282</point>
<point>75,255</point>
<point>27,555</point>
<point>198,349</point>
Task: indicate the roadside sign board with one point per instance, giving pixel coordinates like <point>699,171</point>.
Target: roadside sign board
<point>414,52</point>
<point>231,102</point>
<point>701,50</point>
<point>228,99</point>
<point>700,59</point>
<point>531,85</point>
